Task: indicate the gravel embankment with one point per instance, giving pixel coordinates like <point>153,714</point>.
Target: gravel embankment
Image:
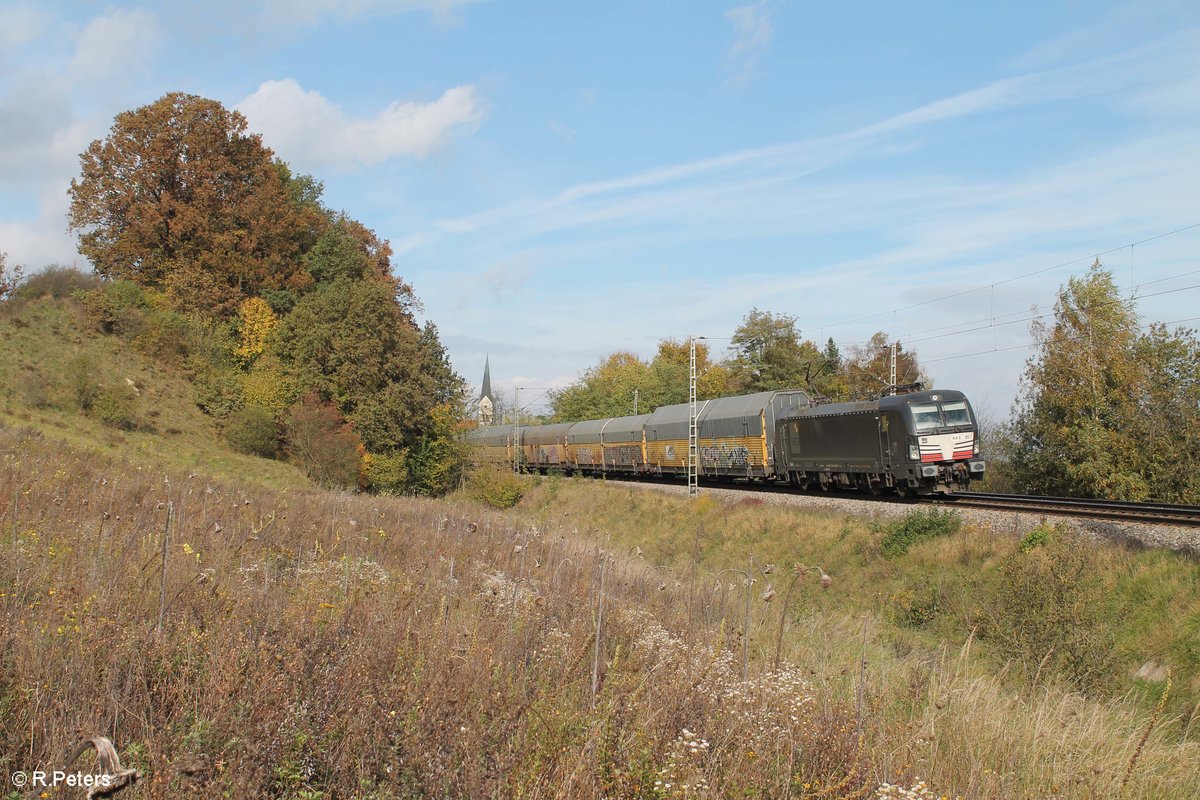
<point>1137,534</point>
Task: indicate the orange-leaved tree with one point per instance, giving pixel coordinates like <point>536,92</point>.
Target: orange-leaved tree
<point>181,197</point>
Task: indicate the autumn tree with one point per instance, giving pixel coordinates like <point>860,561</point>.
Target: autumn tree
<point>1079,394</point>
<point>181,197</point>
<point>868,369</point>
<point>255,320</point>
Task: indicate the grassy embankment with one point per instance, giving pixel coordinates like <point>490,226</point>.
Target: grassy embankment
<point>51,356</point>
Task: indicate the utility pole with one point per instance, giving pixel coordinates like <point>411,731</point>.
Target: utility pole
<point>516,439</point>
<point>893,383</point>
<point>635,402</point>
<point>693,444</point>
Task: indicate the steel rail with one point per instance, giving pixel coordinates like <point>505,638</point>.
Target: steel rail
<point>1127,511</point>
<point>1156,513</point>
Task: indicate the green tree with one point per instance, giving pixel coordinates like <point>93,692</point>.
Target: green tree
<point>605,390</point>
<point>1168,426</point>
<point>180,196</point>
<point>354,343</point>
<point>768,353</point>
<point>337,254</point>
<point>1075,419</point>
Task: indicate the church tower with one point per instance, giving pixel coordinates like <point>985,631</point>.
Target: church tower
<point>486,406</point>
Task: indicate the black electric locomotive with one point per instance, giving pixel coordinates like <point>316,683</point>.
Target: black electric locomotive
<point>919,442</point>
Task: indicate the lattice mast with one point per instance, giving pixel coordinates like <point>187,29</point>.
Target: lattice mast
<point>693,443</point>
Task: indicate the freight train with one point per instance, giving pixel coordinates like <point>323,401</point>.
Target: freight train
<point>910,441</point>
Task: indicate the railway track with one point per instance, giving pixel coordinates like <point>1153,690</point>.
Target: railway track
<point>1153,513</point>
<point>1115,510</point>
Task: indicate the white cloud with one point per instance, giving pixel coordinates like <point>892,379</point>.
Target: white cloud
<point>43,239</point>
<point>114,41</point>
<point>305,126</point>
<point>753,30</point>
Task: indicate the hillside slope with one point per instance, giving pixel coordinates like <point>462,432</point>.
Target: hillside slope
<point>51,355</point>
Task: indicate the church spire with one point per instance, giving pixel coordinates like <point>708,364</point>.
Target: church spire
<point>486,404</point>
<point>486,391</point>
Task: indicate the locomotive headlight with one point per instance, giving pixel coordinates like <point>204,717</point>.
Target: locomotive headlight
<point>976,447</point>
<point>914,452</point>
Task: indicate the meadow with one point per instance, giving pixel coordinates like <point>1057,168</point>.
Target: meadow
<point>594,641</point>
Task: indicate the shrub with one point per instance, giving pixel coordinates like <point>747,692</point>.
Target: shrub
<point>1041,536</point>
<point>388,472</point>
<point>1048,613</point>
<point>217,390</point>
<point>499,487</point>
<point>916,606</point>
<point>267,386</point>
<point>115,306</point>
<point>82,386</point>
<point>56,281</point>
<point>323,444</point>
<point>33,389</point>
<point>116,407</point>
<point>918,526</point>
<point>252,430</point>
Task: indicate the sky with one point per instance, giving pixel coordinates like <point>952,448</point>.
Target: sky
<point>561,181</point>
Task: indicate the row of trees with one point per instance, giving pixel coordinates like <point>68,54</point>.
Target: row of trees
<point>766,352</point>
<point>194,221</point>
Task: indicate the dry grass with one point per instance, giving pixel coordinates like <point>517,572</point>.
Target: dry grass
<point>328,645</point>
<point>943,704</point>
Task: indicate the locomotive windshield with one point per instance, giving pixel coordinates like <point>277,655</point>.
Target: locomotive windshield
<point>929,416</point>
<point>956,413</point>
<point>926,417</point>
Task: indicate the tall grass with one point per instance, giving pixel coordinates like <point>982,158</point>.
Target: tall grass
<point>330,645</point>
<point>1052,709</point>
<point>320,644</point>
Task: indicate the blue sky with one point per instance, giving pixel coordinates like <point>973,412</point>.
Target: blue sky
<point>563,180</point>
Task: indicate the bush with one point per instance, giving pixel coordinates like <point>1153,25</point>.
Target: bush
<point>116,407</point>
<point>388,472</point>
<point>33,389</point>
<point>82,387</point>
<point>217,390</point>
<point>252,430</point>
<point>1049,615</point>
<point>1041,536</point>
<point>917,605</point>
<point>499,487</point>
<point>916,527</point>
<point>323,444</point>
<point>56,281</point>
<point>116,307</point>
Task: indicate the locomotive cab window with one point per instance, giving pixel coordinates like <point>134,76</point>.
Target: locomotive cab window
<point>926,417</point>
<point>956,413</point>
